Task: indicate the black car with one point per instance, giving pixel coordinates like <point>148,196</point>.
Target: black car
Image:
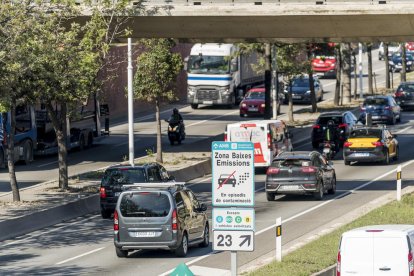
<point>395,62</point>
<point>383,109</point>
<point>160,216</point>
<point>343,122</point>
<point>117,176</point>
<point>300,172</point>
<point>301,90</point>
<point>404,95</point>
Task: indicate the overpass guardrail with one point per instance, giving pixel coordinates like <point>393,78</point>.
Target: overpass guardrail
<point>275,2</point>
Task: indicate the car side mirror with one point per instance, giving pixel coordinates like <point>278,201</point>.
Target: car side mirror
<point>203,207</point>
<point>171,178</point>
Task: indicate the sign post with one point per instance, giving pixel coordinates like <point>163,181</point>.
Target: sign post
<point>232,194</point>
<point>399,183</point>
<point>279,239</point>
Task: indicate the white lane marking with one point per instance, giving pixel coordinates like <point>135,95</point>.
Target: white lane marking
<point>198,182</point>
<point>80,256</point>
<point>47,232</point>
<point>47,164</point>
<point>402,130</point>
<point>299,214</point>
<point>216,117</point>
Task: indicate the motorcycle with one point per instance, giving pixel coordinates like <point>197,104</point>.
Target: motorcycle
<point>176,131</point>
<point>329,150</point>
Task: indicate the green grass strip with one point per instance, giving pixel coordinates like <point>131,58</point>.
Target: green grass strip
<point>321,253</point>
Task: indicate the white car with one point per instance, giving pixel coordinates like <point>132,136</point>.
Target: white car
<point>377,250</point>
<point>393,47</point>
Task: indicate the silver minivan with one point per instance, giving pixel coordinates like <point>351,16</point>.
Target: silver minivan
<point>377,250</point>
<point>159,216</point>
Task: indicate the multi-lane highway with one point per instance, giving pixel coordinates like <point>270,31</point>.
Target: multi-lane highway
<point>84,245</point>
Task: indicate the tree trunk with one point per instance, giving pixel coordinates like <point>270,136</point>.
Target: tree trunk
<point>338,75</point>
<point>268,82</point>
<point>387,67</point>
<point>404,63</point>
<point>370,83</point>
<point>10,154</point>
<point>347,73</point>
<point>290,111</point>
<point>355,75</point>
<point>60,126</point>
<point>159,158</point>
<point>312,84</point>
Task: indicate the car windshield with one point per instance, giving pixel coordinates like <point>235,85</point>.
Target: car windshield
<point>366,133</point>
<point>208,65</point>
<point>376,101</point>
<point>255,95</point>
<point>324,120</point>
<point>300,82</point>
<point>279,163</point>
<point>123,176</point>
<point>145,204</point>
<point>406,87</point>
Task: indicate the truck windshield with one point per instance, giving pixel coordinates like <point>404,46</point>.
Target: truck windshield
<point>209,65</point>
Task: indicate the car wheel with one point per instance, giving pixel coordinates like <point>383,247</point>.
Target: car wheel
<point>332,190</point>
<point>105,214</point>
<point>347,163</point>
<point>387,158</point>
<point>81,143</point>
<point>397,154</point>
<point>121,253</point>
<point>90,141</point>
<point>206,237</point>
<point>181,251</point>
<point>241,115</point>
<point>319,194</point>
<point>392,120</point>
<point>399,118</point>
<point>194,106</point>
<point>2,160</point>
<point>270,196</point>
<point>27,152</point>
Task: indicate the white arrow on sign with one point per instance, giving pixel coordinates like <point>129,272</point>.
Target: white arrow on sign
<point>233,240</point>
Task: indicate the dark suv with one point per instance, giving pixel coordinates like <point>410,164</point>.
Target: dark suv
<point>404,95</point>
<point>117,176</point>
<point>343,121</point>
<point>159,216</point>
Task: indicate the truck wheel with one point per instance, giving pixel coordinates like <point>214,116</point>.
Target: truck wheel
<point>81,142</point>
<point>27,152</point>
<point>90,140</point>
<point>194,106</point>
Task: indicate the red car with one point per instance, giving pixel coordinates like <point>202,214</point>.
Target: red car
<point>324,66</point>
<point>409,46</point>
<point>253,103</point>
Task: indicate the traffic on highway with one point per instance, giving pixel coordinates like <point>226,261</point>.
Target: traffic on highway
<point>312,175</point>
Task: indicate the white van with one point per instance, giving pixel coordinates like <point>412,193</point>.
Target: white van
<point>270,137</point>
<point>377,250</point>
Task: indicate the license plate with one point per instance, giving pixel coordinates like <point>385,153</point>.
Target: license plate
<point>117,193</point>
<point>296,97</point>
<point>253,109</point>
<point>361,154</point>
<point>376,117</point>
<point>142,234</point>
<point>326,150</point>
<point>207,102</point>
<point>289,187</point>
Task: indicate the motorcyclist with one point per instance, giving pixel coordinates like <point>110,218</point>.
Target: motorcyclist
<point>176,118</point>
<point>331,134</point>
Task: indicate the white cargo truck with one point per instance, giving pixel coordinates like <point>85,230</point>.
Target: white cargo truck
<point>215,76</point>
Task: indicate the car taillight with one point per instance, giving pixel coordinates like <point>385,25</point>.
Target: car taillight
<point>272,170</point>
<point>343,125</point>
<point>225,137</point>
<point>269,141</point>
<point>102,192</point>
<point>410,264</point>
<point>316,126</point>
<point>347,144</point>
<point>174,221</point>
<point>362,108</point>
<point>309,169</point>
<point>377,144</point>
<point>116,221</point>
<point>338,264</point>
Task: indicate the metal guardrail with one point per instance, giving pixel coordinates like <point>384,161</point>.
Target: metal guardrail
<point>274,2</point>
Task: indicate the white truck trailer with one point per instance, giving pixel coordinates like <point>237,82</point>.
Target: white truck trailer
<point>215,76</point>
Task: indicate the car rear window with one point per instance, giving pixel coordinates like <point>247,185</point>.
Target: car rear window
<point>376,101</point>
<point>123,176</point>
<point>406,87</point>
<point>294,162</point>
<point>368,133</point>
<point>255,95</point>
<point>145,204</point>
<point>324,120</point>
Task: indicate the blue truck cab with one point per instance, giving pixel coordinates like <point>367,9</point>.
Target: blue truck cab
<point>24,137</point>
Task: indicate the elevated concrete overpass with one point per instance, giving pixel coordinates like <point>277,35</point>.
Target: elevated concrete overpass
<point>276,20</point>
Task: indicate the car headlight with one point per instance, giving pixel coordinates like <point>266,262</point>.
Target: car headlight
<point>243,105</point>
<point>409,62</point>
<point>191,90</point>
<point>225,90</point>
<point>262,105</point>
<point>308,92</point>
<point>391,63</point>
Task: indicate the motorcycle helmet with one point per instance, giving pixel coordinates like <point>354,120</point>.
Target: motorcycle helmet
<point>175,111</point>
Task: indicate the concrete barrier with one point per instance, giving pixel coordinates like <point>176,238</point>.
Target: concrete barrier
<point>45,218</point>
<point>192,172</point>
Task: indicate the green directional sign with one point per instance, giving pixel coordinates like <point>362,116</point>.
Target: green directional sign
<point>182,270</point>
